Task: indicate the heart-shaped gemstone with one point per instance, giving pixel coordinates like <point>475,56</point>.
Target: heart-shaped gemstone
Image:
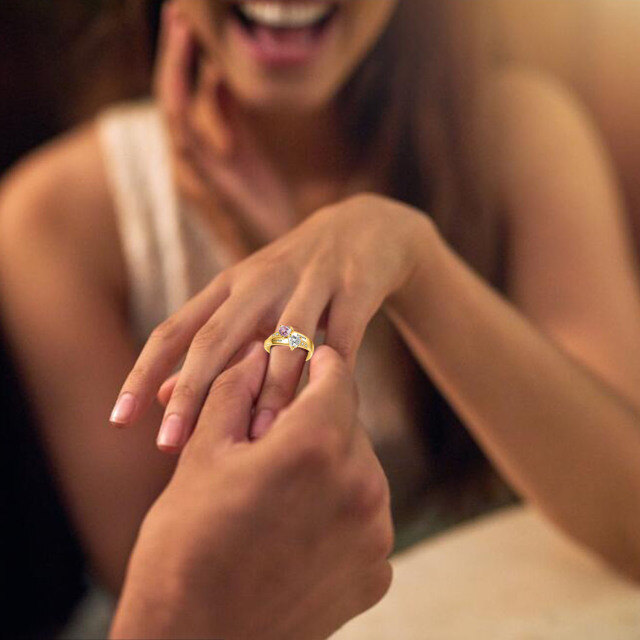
<point>295,340</point>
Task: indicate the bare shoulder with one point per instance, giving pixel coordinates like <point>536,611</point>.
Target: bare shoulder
<point>547,140</point>
<point>57,197</point>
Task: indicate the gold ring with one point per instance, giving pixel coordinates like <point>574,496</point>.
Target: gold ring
<point>288,336</point>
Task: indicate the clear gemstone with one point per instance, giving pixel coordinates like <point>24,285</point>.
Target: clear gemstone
<point>295,340</point>
<point>284,331</point>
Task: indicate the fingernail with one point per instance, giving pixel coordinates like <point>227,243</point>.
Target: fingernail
<point>262,422</point>
<point>124,408</point>
<point>171,432</point>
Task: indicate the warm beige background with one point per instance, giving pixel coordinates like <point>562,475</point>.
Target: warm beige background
<point>594,45</point>
<point>508,576</point>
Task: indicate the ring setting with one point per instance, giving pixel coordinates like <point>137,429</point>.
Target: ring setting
<point>286,335</point>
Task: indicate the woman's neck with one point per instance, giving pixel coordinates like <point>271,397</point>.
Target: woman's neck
<point>304,146</point>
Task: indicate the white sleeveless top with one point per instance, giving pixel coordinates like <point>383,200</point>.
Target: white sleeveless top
<point>171,253</point>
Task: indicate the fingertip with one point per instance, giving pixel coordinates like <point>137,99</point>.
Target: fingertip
<point>324,356</point>
<point>329,370</point>
<point>123,411</point>
<point>172,435</point>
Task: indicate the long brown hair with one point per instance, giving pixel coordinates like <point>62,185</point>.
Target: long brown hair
<point>418,100</point>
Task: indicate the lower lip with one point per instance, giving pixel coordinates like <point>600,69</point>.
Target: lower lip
<point>282,47</point>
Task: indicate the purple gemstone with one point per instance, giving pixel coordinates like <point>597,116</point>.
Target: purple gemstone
<point>284,331</point>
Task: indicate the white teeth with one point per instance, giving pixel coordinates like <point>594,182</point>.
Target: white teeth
<point>285,15</point>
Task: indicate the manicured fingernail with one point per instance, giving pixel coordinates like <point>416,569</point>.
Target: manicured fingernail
<point>262,422</point>
<point>171,432</point>
<point>124,408</point>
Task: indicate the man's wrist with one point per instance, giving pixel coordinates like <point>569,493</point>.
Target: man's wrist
<point>152,598</point>
<point>146,608</point>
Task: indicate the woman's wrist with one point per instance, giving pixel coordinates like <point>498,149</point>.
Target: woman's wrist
<point>425,246</point>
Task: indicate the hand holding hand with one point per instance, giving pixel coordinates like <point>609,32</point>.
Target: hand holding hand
<point>336,268</point>
<point>285,537</point>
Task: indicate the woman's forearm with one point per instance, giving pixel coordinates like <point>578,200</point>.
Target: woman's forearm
<point>566,441</point>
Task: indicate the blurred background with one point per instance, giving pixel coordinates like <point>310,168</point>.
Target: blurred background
<point>62,61</point>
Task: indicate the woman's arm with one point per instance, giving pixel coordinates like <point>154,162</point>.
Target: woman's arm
<point>550,389</point>
<point>61,282</point>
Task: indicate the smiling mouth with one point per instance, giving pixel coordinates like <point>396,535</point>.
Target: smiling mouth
<point>283,15</point>
<point>283,32</point>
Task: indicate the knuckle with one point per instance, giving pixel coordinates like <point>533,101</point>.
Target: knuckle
<point>362,201</point>
<point>367,495</point>
<point>226,383</point>
<point>139,376</point>
<point>381,542</point>
<point>344,342</point>
<point>208,336</point>
<point>184,392</point>
<point>317,452</point>
<point>167,331</point>
<point>228,389</point>
<point>275,263</point>
<point>377,585</point>
<point>223,280</point>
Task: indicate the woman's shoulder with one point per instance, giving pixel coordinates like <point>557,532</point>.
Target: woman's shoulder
<point>59,195</point>
<point>544,125</point>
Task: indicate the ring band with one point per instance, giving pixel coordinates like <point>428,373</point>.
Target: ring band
<point>289,337</point>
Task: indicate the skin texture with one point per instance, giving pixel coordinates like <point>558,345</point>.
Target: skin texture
<point>564,210</point>
<point>215,561</point>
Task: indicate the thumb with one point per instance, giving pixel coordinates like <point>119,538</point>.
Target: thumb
<point>327,405</point>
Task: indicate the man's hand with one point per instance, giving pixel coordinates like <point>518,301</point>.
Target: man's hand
<point>282,537</point>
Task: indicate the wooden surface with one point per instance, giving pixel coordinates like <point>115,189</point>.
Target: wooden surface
<point>510,575</point>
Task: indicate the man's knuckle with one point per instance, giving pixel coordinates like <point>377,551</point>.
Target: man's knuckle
<point>381,541</point>
<point>317,452</point>
<point>366,495</point>
<point>343,341</point>
<point>364,199</point>
<point>377,585</point>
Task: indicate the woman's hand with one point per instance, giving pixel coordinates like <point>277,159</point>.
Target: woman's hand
<point>339,265</point>
<point>217,159</point>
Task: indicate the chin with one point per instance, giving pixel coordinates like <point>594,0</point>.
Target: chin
<point>295,97</point>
